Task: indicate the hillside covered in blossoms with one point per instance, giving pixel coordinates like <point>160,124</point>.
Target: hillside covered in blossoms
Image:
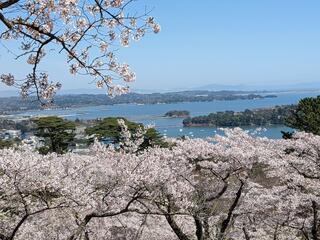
<point>239,187</point>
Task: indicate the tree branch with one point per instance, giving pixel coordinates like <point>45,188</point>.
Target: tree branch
<point>199,228</point>
<point>226,222</point>
<point>314,230</point>
<point>5,21</point>
<point>7,4</point>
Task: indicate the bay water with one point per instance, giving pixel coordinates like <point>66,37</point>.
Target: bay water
<point>153,114</point>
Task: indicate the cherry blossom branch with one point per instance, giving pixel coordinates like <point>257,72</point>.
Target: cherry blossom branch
<point>79,29</point>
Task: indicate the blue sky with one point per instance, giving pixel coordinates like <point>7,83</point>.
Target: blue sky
<point>252,42</point>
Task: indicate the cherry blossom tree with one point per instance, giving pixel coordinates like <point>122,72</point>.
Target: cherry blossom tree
<point>71,196</point>
<point>232,187</point>
<point>220,176</point>
<point>286,201</point>
<point>87,32</point>
<point>299,168</point>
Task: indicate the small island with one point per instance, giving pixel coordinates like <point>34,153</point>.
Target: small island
<point>257,117</point>
<point>177,114</point>
<point>270,96</point>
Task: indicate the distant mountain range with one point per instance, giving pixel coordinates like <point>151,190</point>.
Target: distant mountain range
<point>209,87</point>
<point>278,87</point>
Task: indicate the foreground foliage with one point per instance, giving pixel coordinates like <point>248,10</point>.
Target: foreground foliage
<point>238,187</point>
<point>5,144</point>
<point>306,116</point>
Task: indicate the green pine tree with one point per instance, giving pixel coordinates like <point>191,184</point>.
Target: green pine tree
<point>57,133</point>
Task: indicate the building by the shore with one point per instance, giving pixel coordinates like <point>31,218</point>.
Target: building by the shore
<point>10,134</point>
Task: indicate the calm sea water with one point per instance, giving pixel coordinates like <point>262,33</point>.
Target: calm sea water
<point>153,114</point>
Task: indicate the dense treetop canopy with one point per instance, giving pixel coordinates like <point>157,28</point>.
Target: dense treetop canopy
<point>237,188</point>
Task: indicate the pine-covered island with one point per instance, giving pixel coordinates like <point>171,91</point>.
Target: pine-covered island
<point>256,117</point>
<point>177,114</point>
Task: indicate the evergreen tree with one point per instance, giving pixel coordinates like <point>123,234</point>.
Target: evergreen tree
<point>57,133</point>
<point>306,116</point>
<point>109,129</point>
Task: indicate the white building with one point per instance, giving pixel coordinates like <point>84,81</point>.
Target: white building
<point>34,141</point>
<point>10,134</point>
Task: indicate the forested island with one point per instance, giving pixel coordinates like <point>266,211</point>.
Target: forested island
<point>11,104</point>
<point>177,114</point>
<point>257,117</point>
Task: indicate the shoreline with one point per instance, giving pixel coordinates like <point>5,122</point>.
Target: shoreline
<point>10,110</point>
